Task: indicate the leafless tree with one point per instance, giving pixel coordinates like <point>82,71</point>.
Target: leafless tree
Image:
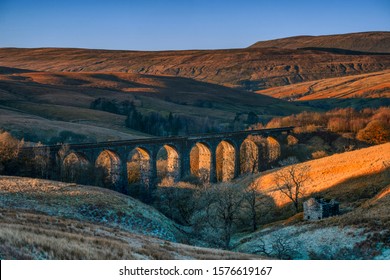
<point>252,203</point>
<point>41,159</point>
<point>223,209</point>
<point>291,181</point>
<point>279,246</point>
<point>64,150</point>
<point>62,153</point>
<point>176,203</point>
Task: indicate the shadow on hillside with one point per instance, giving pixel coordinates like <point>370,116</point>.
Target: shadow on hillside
<point>267,210</point>
<point>354,191</point>
<point>356,103</point>
<point>351,193</point>
<point>114,78</point>
<point>342,51</point>
<point>10,70</point>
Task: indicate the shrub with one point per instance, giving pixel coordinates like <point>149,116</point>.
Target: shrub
<point>375,132</point>
<point>9,150</point>
<point>319,154</point>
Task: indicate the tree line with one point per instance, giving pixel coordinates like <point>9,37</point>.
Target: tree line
<point>367,125</point>
<point>169,123</point>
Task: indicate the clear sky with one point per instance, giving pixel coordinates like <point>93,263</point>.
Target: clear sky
<point>184,24</point>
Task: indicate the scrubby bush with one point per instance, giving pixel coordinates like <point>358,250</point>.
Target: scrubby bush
<point>376,132</point>
<point>9,151</point>
<point>335,131</point>
<point>319,154</point>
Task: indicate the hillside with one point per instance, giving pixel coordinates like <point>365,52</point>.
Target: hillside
<point>42,219</point>
<point>378,42</point>
<point>87,204</point>
<point>359,180</point>
<point>361,233</point>
<point>334,91</point>
<point>250,68</point>
<point>26,235</point>
<point>61,102</point>
<point>336,174</point>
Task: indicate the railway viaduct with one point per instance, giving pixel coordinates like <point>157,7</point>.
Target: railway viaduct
<point>120,164</point>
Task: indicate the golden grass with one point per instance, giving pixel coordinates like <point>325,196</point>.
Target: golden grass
<point>335,172</point>
<point>42,219</point>
<point>85,203</point>
<point>25,235</point>
<point>373,85</point>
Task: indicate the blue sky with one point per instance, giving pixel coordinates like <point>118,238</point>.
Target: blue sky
<point>185,24</point>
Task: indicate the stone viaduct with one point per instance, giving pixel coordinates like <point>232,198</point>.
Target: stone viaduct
<point>120,164</point>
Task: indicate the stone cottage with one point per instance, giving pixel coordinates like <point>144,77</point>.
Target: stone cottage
<point>320,208</point>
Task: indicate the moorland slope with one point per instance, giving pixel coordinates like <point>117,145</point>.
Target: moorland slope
<point>359,180</point>
<point>248,68</point>
<point>378,42</point>
<point>364,89</point>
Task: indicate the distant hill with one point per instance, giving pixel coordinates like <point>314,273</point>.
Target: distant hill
<point>375,42</point>
<point>61,102</point>
<point>249,68</point>
<point>55,88</point>
<point>372,88</point>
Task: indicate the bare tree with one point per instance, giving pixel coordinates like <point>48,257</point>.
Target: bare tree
<point>279,246</point>
<point>62,153</point>
<point>252,203</point>
<point>177,203</point>
<point>223,209</point>
<point>291,181</point>
<point>41,159</point>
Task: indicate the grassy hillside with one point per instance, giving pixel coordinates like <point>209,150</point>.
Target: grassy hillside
<point>27,235</point>
<point>368,88</point>
<point>84,203</point>
<point>42,219</point>
<point>35,128</point>
<point>57,102</point>
<point>363,41</point>
<point>360,181</point>
<point>359,233</point>
<point>250,68</point>
<point>336,176</point>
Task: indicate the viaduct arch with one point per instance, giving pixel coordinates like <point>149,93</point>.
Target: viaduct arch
<point>132,166</point>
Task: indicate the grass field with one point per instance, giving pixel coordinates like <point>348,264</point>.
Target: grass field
<point>26,235</point>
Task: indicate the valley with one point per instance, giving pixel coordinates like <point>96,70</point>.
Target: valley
<point>217,193</point>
